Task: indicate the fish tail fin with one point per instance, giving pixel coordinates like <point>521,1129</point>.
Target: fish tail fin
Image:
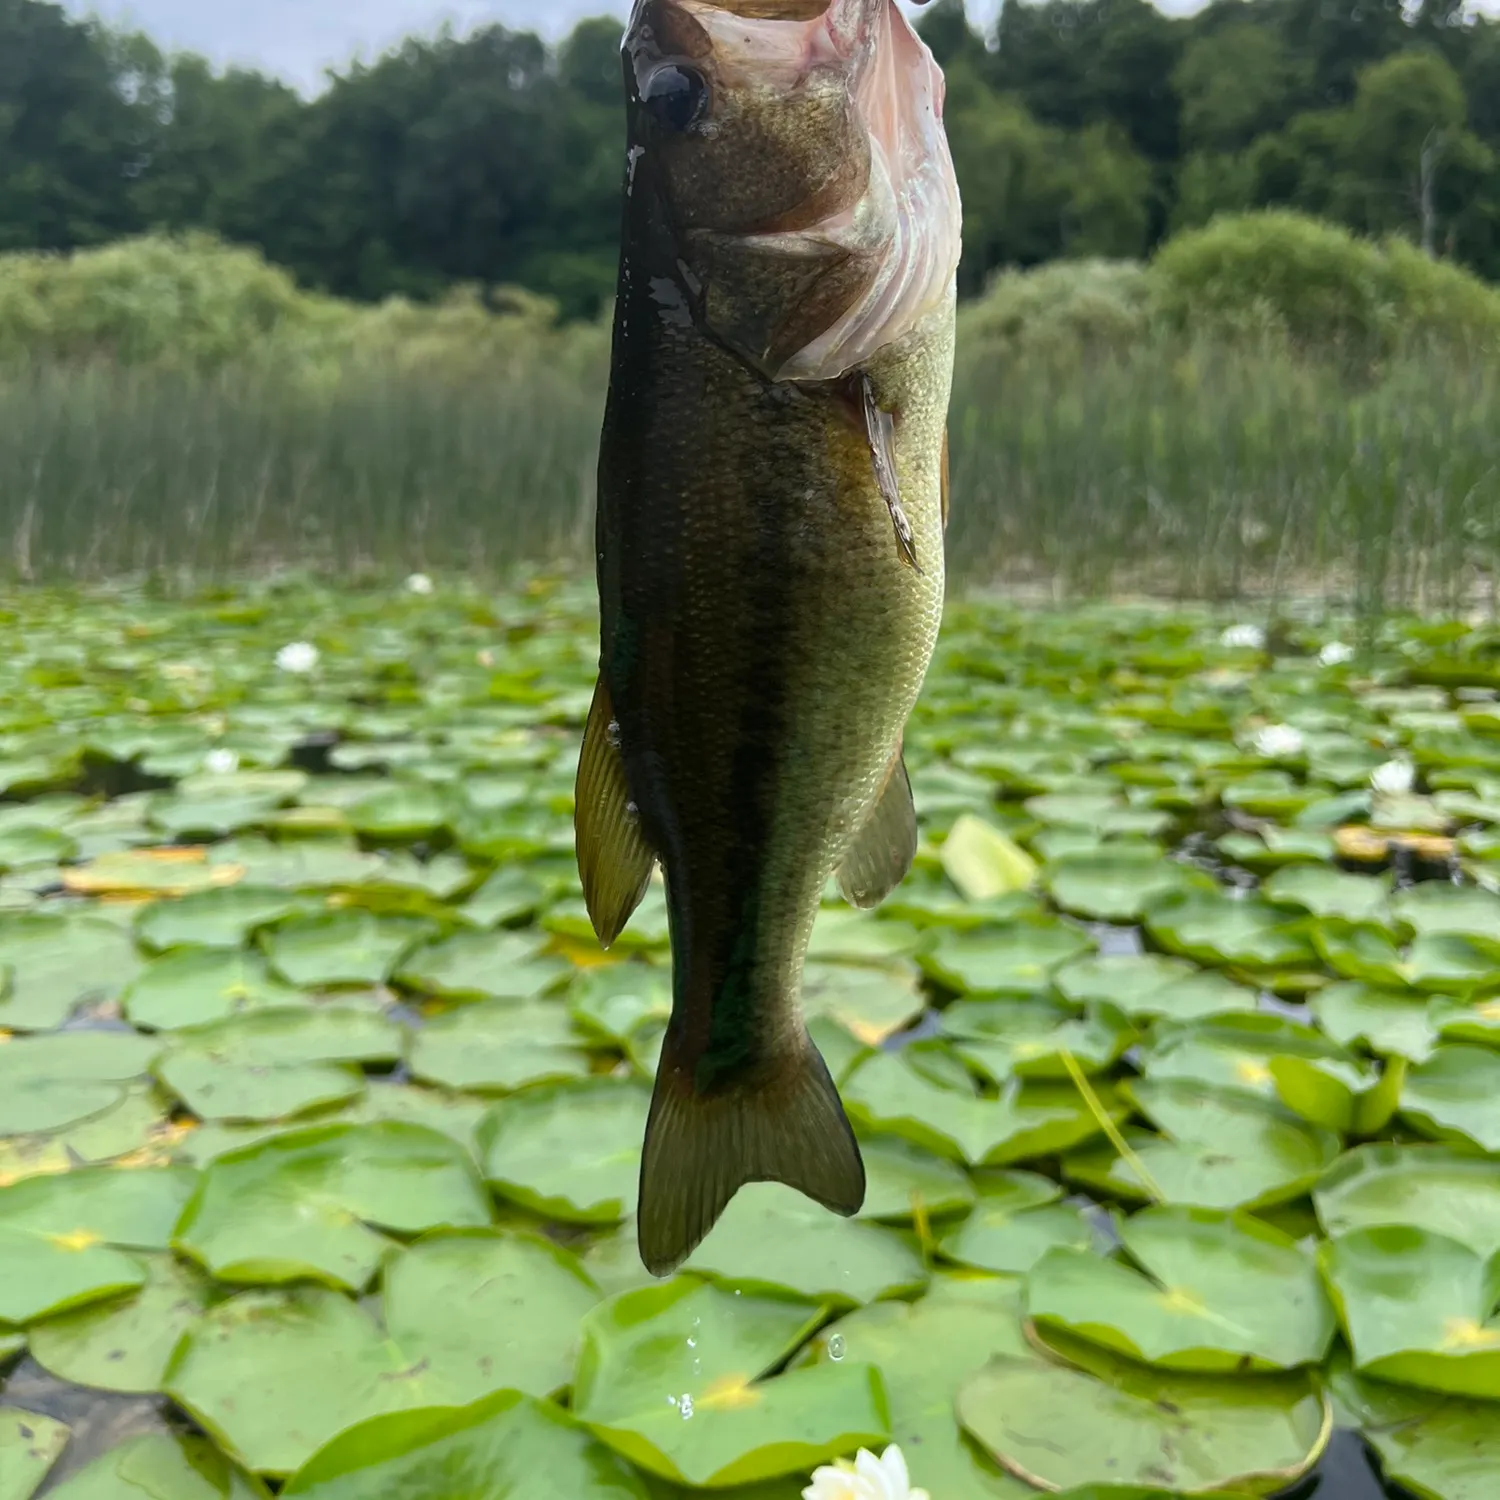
<point>786,1124</point>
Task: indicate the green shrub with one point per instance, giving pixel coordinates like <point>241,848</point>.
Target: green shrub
<point>1063,308</point>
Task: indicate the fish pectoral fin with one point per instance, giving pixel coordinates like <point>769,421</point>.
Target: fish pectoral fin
<point>614,859</point>
<point>788,1126</point>
<point>880,430</point>
<point>884,848</point>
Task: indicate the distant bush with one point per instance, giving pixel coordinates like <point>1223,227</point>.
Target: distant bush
<point>195,303</point>
<point>1060,307</point>
<point>1318,286</point>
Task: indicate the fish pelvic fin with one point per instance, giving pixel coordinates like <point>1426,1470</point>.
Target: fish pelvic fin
<point>614,860</point>
<point>884,848</point>
<point>786,1125</point>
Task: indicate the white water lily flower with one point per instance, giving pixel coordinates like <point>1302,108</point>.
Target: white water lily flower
<point>1335,654</point>
<point>1394,779</point>
<point>299,657</point>
<point>221,762</point>
<point>1246,637</point>
<point>1278,741</point>
<point>867,1478</point>
<point>419,583</point>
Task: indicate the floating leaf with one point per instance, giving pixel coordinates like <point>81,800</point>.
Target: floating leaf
<point>1057,1427</point>
<point>161,1466</point>
<point>1453,1093</point>
<point>346,947</point>
<point>1214,928</point>
<point>568,1151</point>
<point>1016,1220</point>
<point>56,963</point>
<point>1118,884</point>
<point>124,1344</point>
<point>1010,1040</point>
<point>481,965</point>
<point>29,1446</point>
<point>1149,984</point>
<point>307,1204</point>
<point>902,1181</point>
<point>1452,1192</point>
<point>982,862</point>
<point>1393,1022</point>
<point>1016,960</point>
<point>499,1046</point>
<point>213,918</point>
<point>49,1082</point>
<point>500,1448</point>
<point>1329,893</point>
<point>670,1377</point>
<point>1219,1293</point>
<point>193,986</point>
<point>772,1237</point>
<point>1418,1308</point>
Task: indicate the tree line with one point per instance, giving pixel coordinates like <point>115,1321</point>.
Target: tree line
<point>1080,128</point>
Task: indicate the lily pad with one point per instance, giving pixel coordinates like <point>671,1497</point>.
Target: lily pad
<point>1453,1093</point>
<point>124,1344</point>
<point>161,1466</point>
<point>499,1046</point>
<point>481,965</point>
<point>1216,1293</point>
<point>1118,884</point>
<point>1016,1221</point>
<point>220,918</point>
<point>1390,1021</point>
<point>903,1183</point>
<point>29,1446</point>
<point>568,1151</point>
<point>1057,1427</point>
<point>194,986</point>
<point>670,1377</point>
<point>56,963</point>
<point>498,1448</point>
<point>341,948</point>
<point>49,1082</point>
<point>1419,1308</point>
<point>1018,960</point>
<point>772,1238</point>
<point>982,862</point>
<point>63,1239</point>
<point>1215,929</point>
<point>308,1204</point>
<point>1150,984</point>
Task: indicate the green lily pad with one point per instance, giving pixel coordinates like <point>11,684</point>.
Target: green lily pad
<point>670,1377</point>
<point>1016,1220</point>
<point>1436,907</point>
<point>1213,928</point>
<point>568,1151</point>
<point>1216,1293</point>
<point>489,1311</point>
<point>499,1046</point>
<point>1031,1040</point>
<point>1058,1427</point>
<point>56,963</point>
<point>858,937</point>
<point>772,1238</point>
<point>1217,1149</point>
<point>480,966</point>
<point>29,1446</point>
<point>509,895</point>
<point>1418,1308</point>
<point>1150,984</point>
<point>124,1344</point>
<point>341,948</point>
<point>926,1351</point>
<point>1450,1191</point>
<point>63,1239</point>
<point>221,918</point>
<point>161,1466</point>
<point>1118,884</point>
<point>1389,1021</point>
<point>615,1004</point>
<point>498,1448</point>
<point>1453,1093</point>
<point>1458,1020</point>
<point>887,1096</point>
<point>49,1082</point>
<point>1326,892</point>
<point>1435,1446</point>
<point>1235,1051</point>
<point>870,1004</point>
<point>982,862</point>
<point>308,1204</point>
<point>1017,960</point>
<point>902,1182</point>
<point>194,986</point>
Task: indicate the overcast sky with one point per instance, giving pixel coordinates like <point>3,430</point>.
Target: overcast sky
<point>297,39</point>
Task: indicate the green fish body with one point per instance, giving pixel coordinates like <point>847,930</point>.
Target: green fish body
<point>772,501</point>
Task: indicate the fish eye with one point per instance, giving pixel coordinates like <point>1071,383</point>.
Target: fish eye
<point>676,97</point>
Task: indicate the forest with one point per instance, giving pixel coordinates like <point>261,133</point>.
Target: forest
<point>1081,128</point>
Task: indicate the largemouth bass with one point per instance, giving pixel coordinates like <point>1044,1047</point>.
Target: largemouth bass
<point>771,509</point>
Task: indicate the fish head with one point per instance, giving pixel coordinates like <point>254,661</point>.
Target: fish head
<point>792,153</point>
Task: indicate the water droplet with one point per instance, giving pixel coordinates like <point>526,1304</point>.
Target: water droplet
<point>612,734</point>
<point>633,812</point>
<point>836,1348</point>
<point>692,1343</point>
<point>685,1406</point>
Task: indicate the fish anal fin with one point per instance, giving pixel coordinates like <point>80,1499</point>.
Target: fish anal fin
<point>614,859</point>
<point>785,1123</point>
<point>885,846</point>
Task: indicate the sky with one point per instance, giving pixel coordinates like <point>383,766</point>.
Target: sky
<point>298,39</point>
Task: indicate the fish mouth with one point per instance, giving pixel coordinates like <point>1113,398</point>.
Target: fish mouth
<point>871,250</point>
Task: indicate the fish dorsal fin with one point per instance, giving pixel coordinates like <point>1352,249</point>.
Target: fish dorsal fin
<point>880,430</point>
<point>614,859</point>
<point>885,846</point>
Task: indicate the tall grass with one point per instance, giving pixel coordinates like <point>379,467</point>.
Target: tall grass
<point>1220,422</point>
